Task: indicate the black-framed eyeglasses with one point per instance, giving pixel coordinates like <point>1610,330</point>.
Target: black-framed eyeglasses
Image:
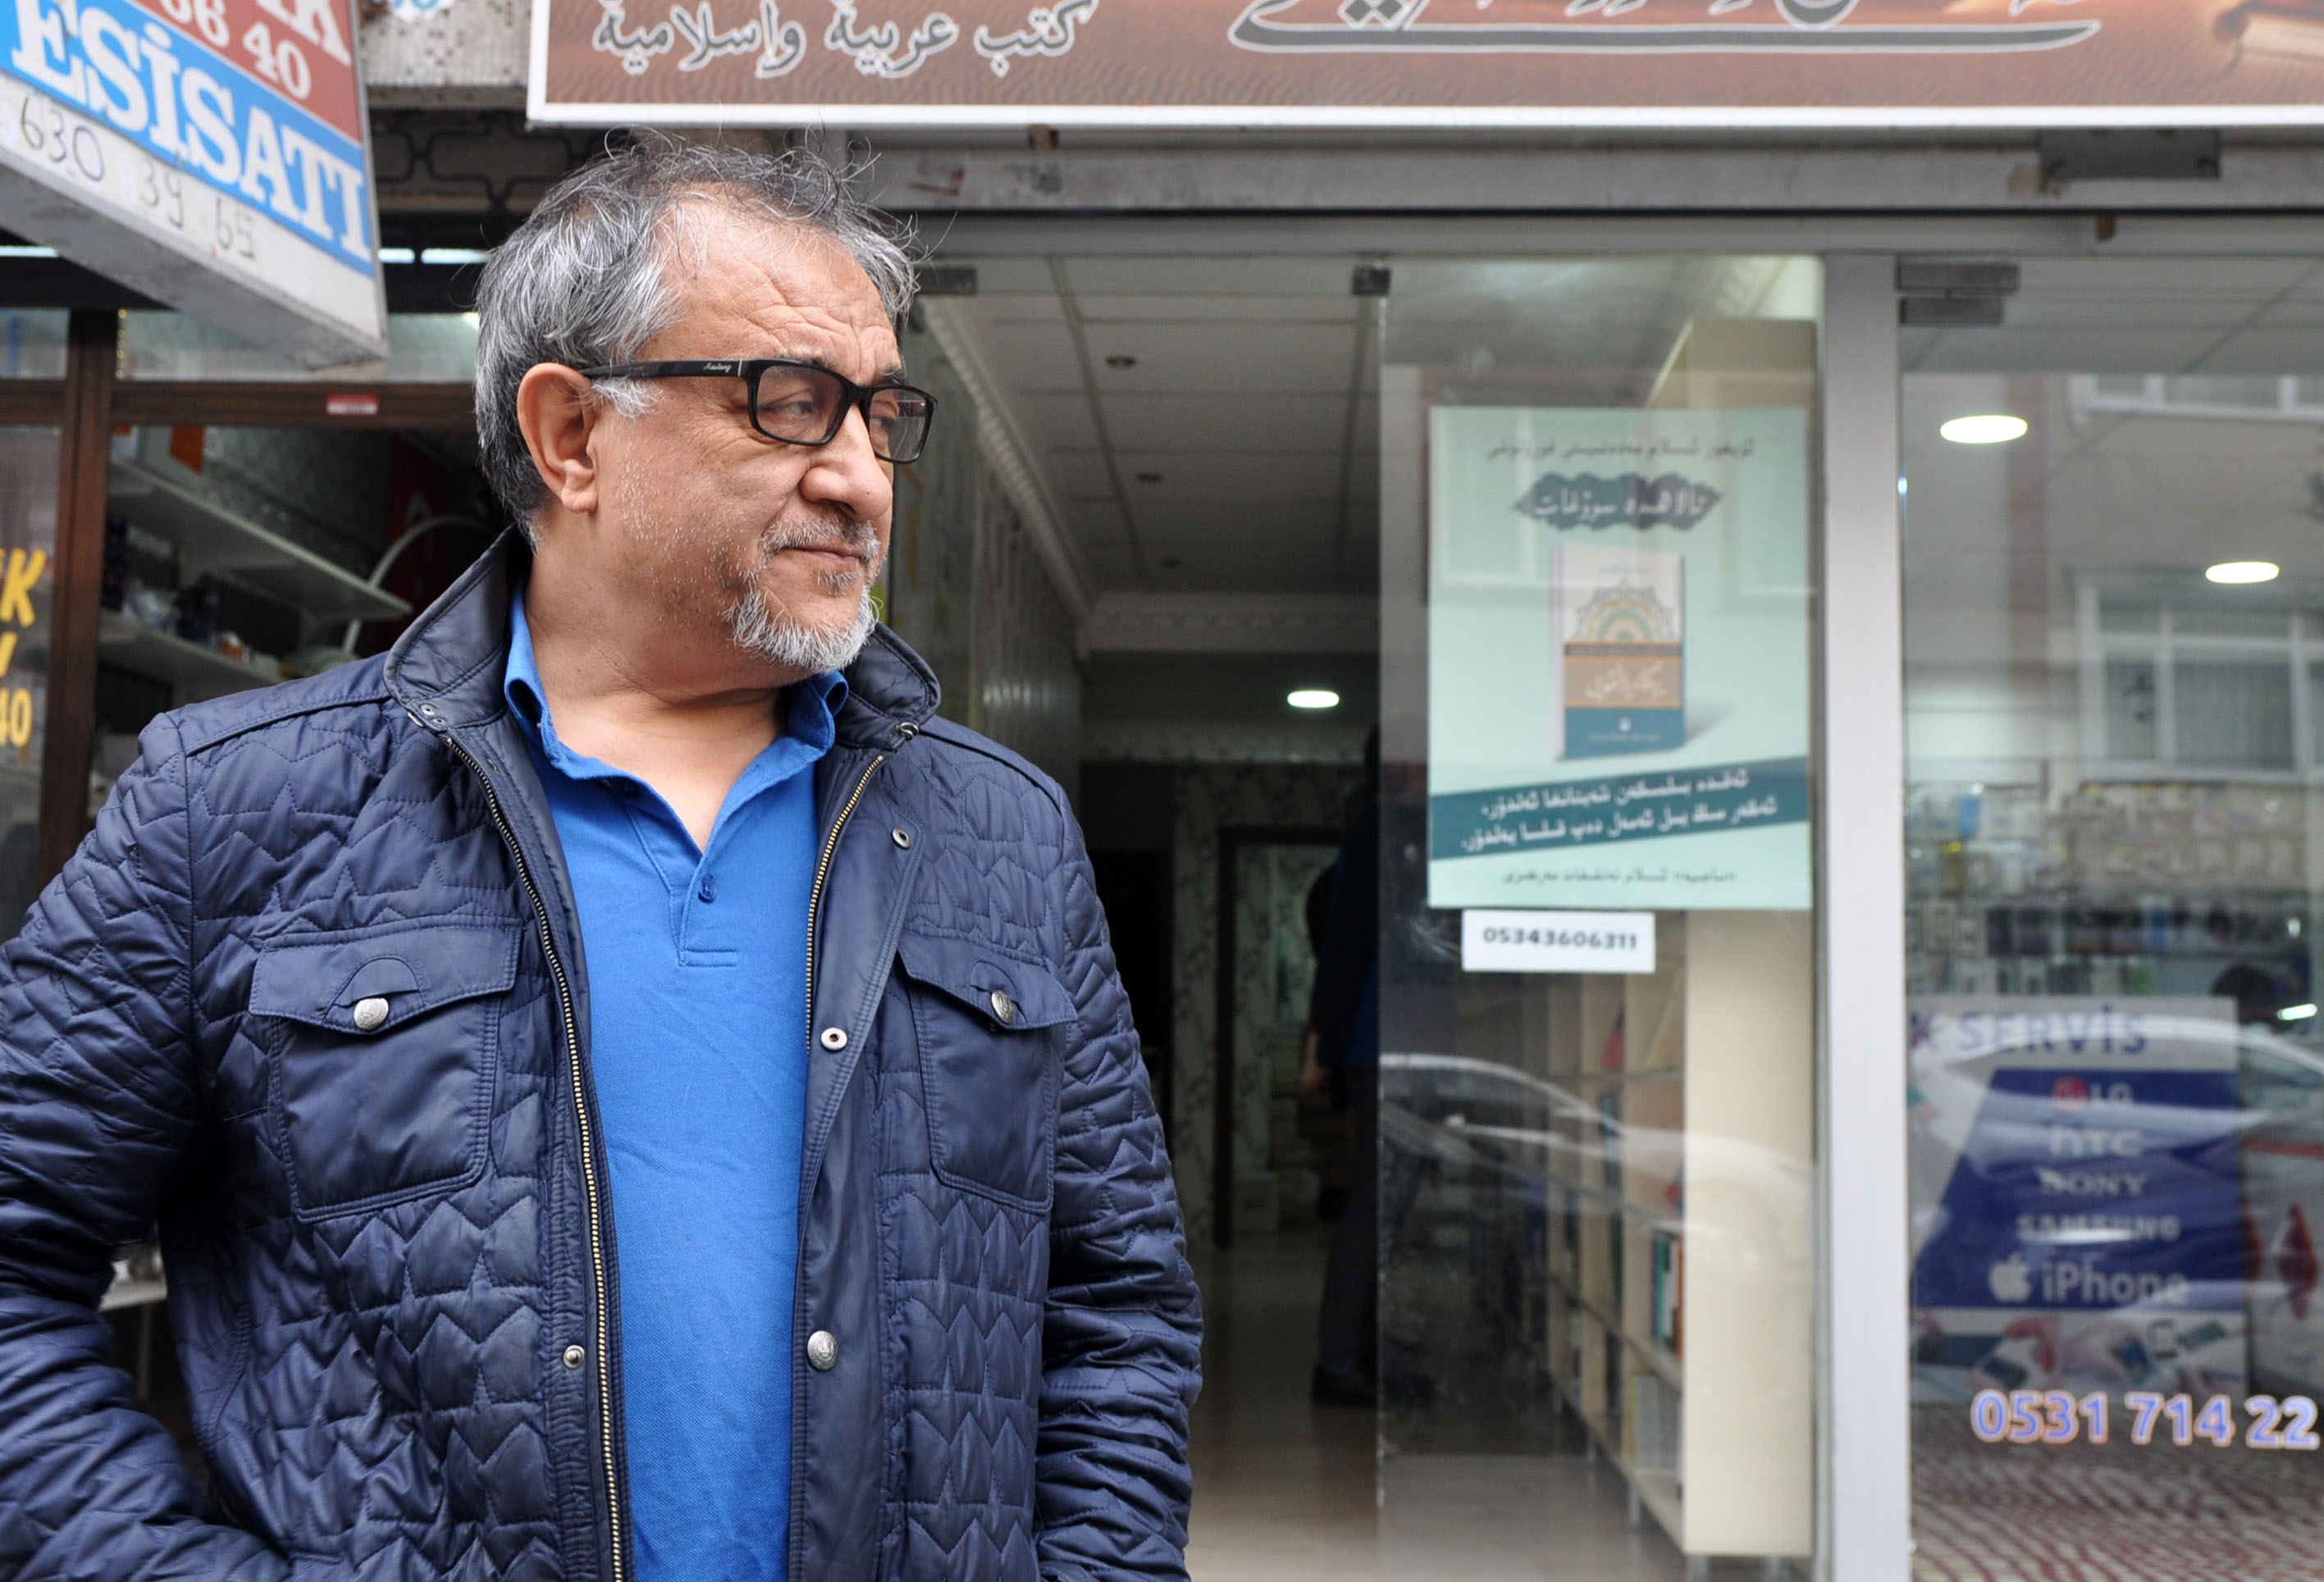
<point>798,403</point>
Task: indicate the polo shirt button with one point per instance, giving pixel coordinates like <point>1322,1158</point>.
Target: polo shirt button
<point>835,1039</point>
<point>823,1351</point>
<point>709,889</point>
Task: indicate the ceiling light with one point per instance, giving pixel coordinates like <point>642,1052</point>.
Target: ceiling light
<point>1988,428</point>
<point>2295,1013</point>
<point>2243,571</point>
<point>1313,698</point>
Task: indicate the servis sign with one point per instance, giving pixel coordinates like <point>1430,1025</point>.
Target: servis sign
<point>1431,62</point>
<point>211,153</point>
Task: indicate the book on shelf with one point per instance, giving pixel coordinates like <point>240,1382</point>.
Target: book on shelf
<point>1614,1376</point>
<point>1609,1058</point>
<point>1668,1253</point>
<point>1610,1139</point>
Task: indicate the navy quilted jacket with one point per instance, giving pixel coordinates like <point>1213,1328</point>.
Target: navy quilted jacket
<point>390,1256</point>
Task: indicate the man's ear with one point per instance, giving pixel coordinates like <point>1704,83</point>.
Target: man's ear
<point>558,415</point>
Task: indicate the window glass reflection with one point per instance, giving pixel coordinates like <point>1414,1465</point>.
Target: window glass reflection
<point>2113,664</point>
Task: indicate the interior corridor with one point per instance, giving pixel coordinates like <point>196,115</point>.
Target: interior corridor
<point>1285,1491</point>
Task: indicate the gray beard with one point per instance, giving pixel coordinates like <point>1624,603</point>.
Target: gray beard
<point>772,633</point>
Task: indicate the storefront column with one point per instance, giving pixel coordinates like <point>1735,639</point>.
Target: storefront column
<point>93,345</point>
<point>1866,1408</point>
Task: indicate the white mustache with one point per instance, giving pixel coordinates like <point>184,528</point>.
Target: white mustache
<point>832,533</point>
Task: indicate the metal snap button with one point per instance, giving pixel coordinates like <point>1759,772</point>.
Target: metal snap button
<point>903,839</point>
<point>1004,1009</point>
<point>823,1351</point>
<point>370,1013</point>
<point>574,1357</point>
<point>835,1039</point>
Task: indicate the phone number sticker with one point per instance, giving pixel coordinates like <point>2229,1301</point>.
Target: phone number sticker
<point>2058,1417</point>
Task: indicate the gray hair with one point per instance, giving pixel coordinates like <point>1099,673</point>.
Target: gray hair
<point>586,278</point>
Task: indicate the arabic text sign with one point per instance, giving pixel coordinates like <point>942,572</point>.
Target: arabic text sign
<point>147,134</point>
<point>1292,62</point>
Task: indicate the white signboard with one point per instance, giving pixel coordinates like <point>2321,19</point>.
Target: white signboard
<point>1557,941</point>
<point>213,154</point>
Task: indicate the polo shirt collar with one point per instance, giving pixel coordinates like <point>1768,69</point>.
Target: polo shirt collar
<point>814,705</point>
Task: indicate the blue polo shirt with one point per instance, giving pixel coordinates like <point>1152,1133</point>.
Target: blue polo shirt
<point>697,1041</point>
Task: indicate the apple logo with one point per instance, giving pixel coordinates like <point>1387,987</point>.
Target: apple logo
<point>2011,1281</point>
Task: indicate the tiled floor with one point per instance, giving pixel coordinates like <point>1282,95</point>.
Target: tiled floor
<point>1283,1489</point>
<point>1286,1492</point>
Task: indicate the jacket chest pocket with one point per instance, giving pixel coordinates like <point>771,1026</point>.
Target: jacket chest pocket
<point>384,1044</point>
<point>987,1027</point>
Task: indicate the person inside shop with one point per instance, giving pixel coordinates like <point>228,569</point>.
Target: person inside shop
<point>628,1091</point>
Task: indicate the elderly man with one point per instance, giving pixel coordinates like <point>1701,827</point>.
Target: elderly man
<point>627,1090</point>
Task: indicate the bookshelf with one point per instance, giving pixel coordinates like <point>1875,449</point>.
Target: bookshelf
<point>1678,1308</point>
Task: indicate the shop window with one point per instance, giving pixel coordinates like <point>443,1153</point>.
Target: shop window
<point>2114,682</point>
<point>424,348</point>
<point>1598,1049</point>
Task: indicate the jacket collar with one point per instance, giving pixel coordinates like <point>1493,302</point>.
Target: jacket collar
<point>447,667</point>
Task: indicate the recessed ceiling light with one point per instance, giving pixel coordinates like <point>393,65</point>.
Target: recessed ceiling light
<point>2243,571</point>
<point>1986,429</point>
<point>1121,360</point>
<point>1150,477</point>
<point>1169,562</point>
<point>1313,698</point>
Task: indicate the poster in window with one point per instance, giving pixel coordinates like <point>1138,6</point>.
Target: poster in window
<point>1619,659</point>
<point>2078,1211</point>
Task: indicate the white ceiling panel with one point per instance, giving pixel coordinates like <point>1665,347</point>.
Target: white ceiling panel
<point>1041,357</point>
<point>998,275</point>
<point>1252,358</point>
<point>2120,350</point>
<point>2148,312</point>
<point>1059,420</point>
<point>1109,308</point>
<point>1114,566</point>
<point>1227,422</point>
<point>1079,473</point>
<point>2251,277</point>
<point>1098,520</point>
<point>1194,520</point>
<point>1026,307</point>
<point>2277,349</point>
<point>1199,474</point>
<point>1210,277</point>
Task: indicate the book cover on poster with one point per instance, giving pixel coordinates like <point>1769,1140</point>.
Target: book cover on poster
<point>1618,645</point>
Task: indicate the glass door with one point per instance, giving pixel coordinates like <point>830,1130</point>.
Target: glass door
<point>2114,630</point>
<point>1598,1069</point>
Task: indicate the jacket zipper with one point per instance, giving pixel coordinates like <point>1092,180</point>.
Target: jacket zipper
<point>823,872</point>
<point>604,1347</point>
